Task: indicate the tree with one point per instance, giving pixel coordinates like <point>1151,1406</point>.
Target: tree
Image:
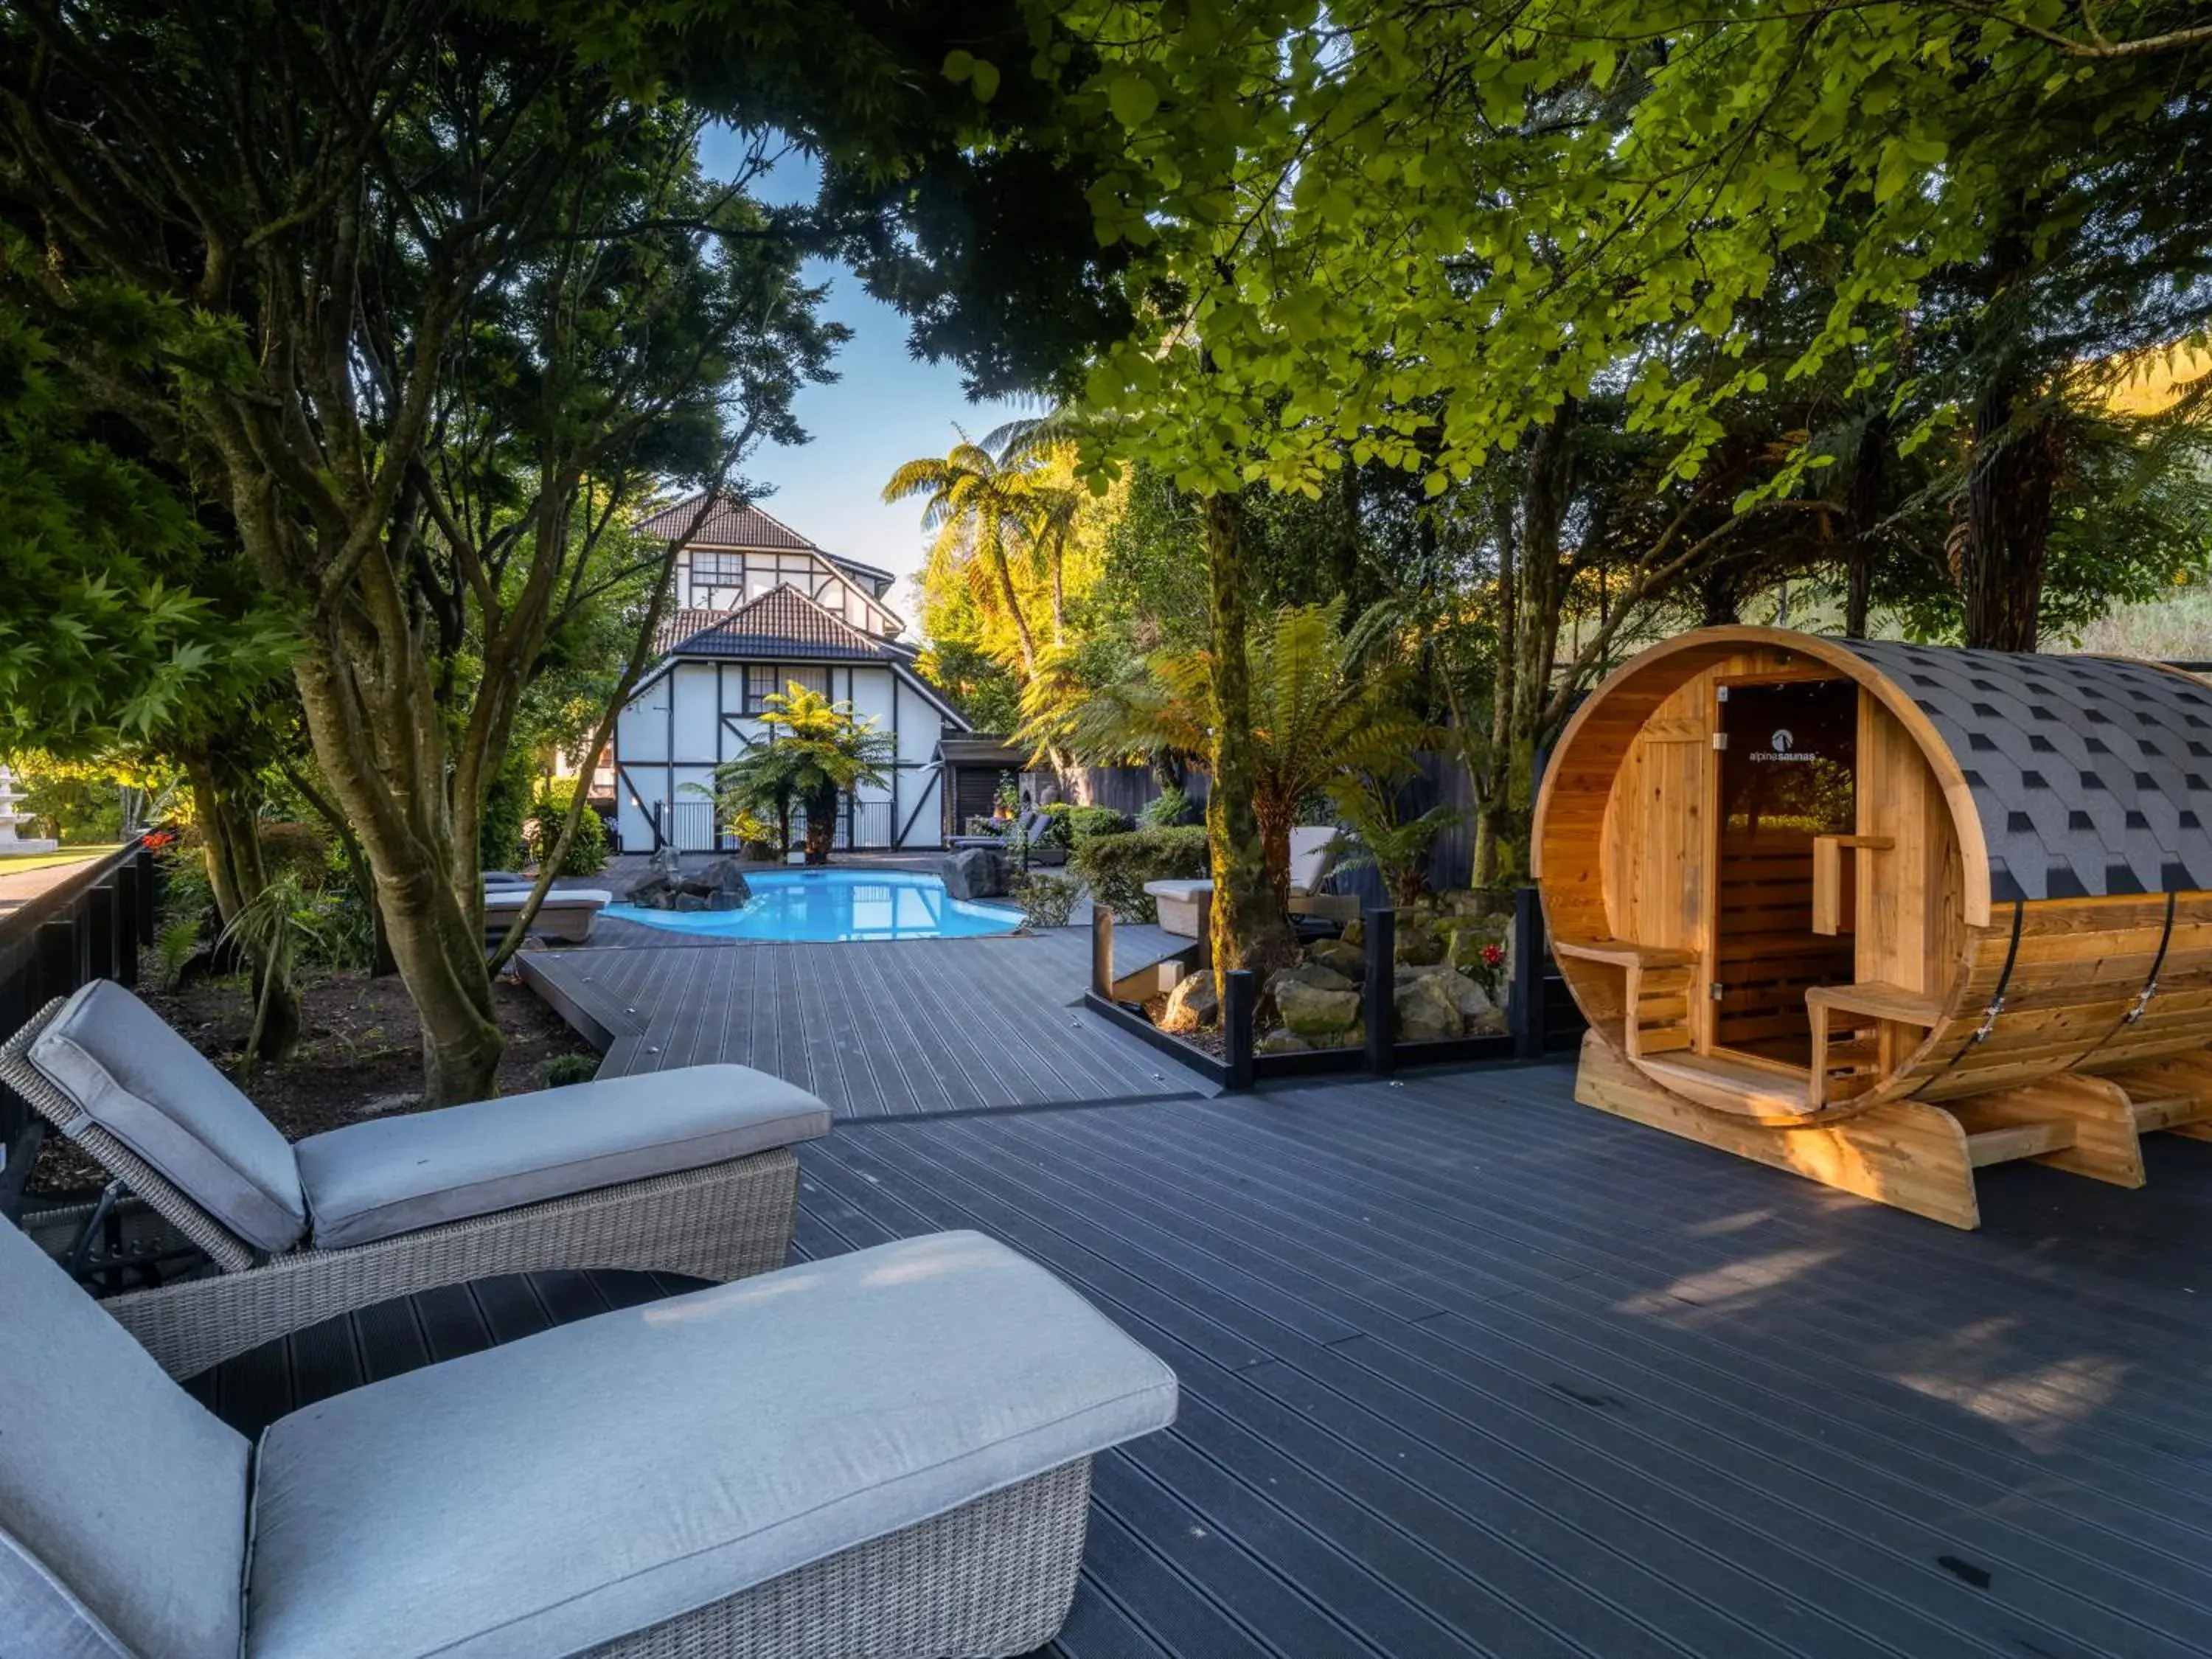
<point>1324,706</point>
<point>433,305</point>
<point>985,510</point>
<point>812,752</point>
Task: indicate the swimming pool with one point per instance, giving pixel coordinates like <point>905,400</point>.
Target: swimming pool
<point>795,905</point>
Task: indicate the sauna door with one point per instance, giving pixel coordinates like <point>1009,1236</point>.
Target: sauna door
<point>1787,758</point>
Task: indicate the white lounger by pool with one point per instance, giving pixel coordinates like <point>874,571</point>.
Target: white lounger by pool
<point>568,913</point>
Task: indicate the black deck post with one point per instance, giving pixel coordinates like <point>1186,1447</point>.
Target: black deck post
<point>1102,951</point>
<point>58,955</point>
<point>1240,997</point>
<point>145,890</point>
<point>1379,938</point>
<point>103,934</point>
<point>1528,991</point>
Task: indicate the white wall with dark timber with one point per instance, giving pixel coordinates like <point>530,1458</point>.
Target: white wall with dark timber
<point>698,714</point>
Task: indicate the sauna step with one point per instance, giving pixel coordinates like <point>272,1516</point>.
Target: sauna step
<point>2016,1141</point>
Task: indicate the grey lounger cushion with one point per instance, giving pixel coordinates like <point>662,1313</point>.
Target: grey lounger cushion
<point>122,1500</point>
<point>156,1094</point>
<point>398,1175</point>
<point>559,898</point>
<point>593,1481</point>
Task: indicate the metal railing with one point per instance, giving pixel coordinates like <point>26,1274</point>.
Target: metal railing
<point>689,826</point>
<point>88,925</point>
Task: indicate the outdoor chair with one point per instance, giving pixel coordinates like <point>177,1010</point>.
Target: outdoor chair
<point>685,1171</point>
<point>880,1456</point>
<point>1314,848</point>
<point>566,913</point>
<point>1034,827</point>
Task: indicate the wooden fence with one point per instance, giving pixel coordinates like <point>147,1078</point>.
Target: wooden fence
<point>88,925</point>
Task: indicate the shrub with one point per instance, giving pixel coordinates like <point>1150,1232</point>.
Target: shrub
<point>295,849</point>
<point>1169,807</point>
<point>1069,825</point>
<point>174,944</point>
<point>1116,867</point>
<point>1046,899</point>
<point>507,803</point>
<point>588,853</point>
<point>563,1070</point>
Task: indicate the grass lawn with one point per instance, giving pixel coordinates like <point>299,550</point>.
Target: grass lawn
<point>22,861</point>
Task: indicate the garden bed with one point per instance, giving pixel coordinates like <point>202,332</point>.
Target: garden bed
<point>360,1055</point>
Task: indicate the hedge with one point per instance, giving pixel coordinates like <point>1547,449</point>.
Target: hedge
<point>1067,824</point>
<point>1116,867</point>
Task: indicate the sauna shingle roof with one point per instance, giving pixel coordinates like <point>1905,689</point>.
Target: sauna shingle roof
<point>2092,775</point>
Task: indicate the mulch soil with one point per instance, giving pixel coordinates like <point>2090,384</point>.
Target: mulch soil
<point>360,1055</point>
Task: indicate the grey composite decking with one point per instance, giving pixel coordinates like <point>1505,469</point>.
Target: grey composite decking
<point>877,1029</point>
<point>1468,1369</point>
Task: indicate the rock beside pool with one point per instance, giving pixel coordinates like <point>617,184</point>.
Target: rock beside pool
<point>721,886</point>
<point>974,873</point>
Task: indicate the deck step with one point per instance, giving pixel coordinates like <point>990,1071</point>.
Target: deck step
<point>2014,1140</point>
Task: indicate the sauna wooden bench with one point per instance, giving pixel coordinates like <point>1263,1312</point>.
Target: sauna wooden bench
<point>1655,993</point>
<point>1869,999</point>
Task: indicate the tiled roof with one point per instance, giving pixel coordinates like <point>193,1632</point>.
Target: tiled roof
<point>741,525</point>
<point>781,622</point>
<point>2092,775</point>
<point>728,524</point>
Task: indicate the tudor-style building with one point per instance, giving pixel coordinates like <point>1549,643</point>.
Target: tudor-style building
<point>757,606</point>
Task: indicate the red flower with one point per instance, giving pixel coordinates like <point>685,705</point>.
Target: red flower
<point>159,839</point>
<point>1493,956</point>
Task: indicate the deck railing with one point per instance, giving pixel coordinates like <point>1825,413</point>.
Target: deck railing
<point>88,925</point>
<point>1541,1017</point>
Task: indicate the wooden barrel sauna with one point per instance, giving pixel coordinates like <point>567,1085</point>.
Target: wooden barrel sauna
<point>1868,909</point>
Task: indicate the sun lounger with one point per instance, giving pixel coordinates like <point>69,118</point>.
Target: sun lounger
<point>1033,826</point>
<point>566,913</point>
<point>881,1455</point>
<point>685,1171</point>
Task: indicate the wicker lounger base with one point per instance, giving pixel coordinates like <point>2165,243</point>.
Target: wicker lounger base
<point>988,1580</point>
<point>726,1221</point>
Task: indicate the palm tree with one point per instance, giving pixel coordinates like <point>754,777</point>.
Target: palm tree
<point>978,507</point>
<point>1323,720</point>
<point>815,752</point>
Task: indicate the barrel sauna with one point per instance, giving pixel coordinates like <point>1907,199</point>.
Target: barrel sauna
<point>1883,913</point>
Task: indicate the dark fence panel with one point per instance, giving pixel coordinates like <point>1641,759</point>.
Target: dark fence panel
<point>89,924</point>
<point>1131,789</point>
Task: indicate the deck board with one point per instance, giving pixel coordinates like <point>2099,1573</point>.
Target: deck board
<point>897,1029</point>
<point>1470,1369</point>
<point>1466,1369</point>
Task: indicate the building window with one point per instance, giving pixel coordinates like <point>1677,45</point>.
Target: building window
<point>760,684</point>
<point>717,568</point>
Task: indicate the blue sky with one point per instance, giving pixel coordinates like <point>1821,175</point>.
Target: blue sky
<point>884,409</point>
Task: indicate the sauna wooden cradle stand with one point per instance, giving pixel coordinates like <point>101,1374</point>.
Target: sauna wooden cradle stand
<point>1883,913</point>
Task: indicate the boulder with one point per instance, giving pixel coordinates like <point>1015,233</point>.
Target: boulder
<point>1319,975</point>
<point>1426,1009</point>
<point>1478,1014</point>
<point>974,873</point>
<point>1316,1011</point>
<point>1191,1004</point>
<point>1354,934</point>
<point>1280,1042</point>
<point>1348,960</point>
<point>686,902</point>
<point>1418,943</point>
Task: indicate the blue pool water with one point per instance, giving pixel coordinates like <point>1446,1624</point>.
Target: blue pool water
<point>835,904</point>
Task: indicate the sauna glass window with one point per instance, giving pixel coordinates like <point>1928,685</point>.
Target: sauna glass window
<point>1788,771</point>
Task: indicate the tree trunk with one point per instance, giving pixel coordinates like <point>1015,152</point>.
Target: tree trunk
<point>821,825</point>
<point>2010,485</point>
<point>1870,499</point>
<point>1544,497</point>
<point>392,786</point>
<point>239,876</point>
<point>1248,928</point>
